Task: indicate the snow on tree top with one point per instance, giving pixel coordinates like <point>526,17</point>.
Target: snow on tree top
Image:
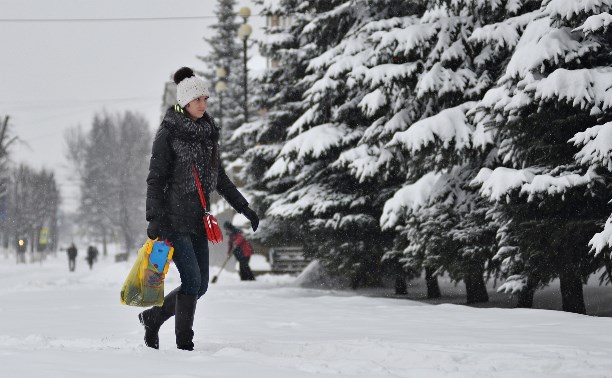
<point>386,73</point>
<point>316,141</point>
<point>388,24</point>
<point>305,119</point>
<point>410,198</point>
<point>322,18</point>
<point>320,62</point>
<point>567,9</point>
<point>596,145</point>
<point>436,13</point>
<point>297,203</point>
<point>399,121</point>
<point>448,126</point>
<point>455,52</point>
<point>504,34</point>
<point>321,86</point>
<point>404,40</point>
<point>442,80</point>
<point>504,100</point>
<point>513,6</point>
<point>372,102</point>
<point>347,63</point>
<point>541,43</point>
<point>492,4</point>
<point>364,161</point>
<point>265,151</point>
<point>602,240</point>
<point>482,136</point>
<point>246,129</point>
<point>497,183</point>
<point>583,87</point>
<point>280,167</point>
<point>548,184</point>
<point>596,23</point>
<point>315,197</point>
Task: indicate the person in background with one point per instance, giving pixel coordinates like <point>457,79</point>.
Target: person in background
<point>241,249</point>
<point>186,143</point>
<point>92,256</point>
<point>22,246</point>
<point>72,254</point>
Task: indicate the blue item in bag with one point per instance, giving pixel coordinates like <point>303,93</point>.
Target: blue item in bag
<point>159,254</point>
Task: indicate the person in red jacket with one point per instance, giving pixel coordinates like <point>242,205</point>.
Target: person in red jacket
<point>241,249</point>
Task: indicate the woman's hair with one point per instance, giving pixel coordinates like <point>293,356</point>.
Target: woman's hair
<point>183,73</point>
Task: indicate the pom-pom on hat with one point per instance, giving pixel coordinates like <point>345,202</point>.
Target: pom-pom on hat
<point>189,86</point>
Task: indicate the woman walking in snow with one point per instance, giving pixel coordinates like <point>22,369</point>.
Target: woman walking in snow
<point>188,136</point>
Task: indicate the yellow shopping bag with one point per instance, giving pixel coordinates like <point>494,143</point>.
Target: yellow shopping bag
<point>144,285</point>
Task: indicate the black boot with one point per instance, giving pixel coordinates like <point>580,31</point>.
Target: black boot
<point>153,318</point>
<point>185,311</point>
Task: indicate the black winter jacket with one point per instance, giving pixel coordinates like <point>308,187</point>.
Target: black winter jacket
<point>172,197</point>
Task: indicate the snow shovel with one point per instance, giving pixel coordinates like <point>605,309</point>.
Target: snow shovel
<point>214,279</point>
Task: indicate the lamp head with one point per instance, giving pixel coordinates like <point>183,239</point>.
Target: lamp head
<point>244,31</point>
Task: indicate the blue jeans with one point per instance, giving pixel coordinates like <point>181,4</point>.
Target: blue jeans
<point>191,260</point>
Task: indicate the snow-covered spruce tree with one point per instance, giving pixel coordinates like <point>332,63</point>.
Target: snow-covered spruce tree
<point>378,82</point>
<point>551,101</point>
<point>596,142</point>
<point>498,42</point>
<point>338,213</point>
<point>226,52</point>
<point>277,92</point>
<point>445,226</point>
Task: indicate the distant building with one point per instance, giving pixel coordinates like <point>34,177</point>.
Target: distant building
<point>275,21</point>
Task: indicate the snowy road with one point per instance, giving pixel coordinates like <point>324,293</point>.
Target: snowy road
<point>59,324</point>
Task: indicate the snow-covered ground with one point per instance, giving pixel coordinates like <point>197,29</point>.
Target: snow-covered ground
<point>59,324</point>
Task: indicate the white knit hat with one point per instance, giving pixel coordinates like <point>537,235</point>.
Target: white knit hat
<point>190,88</point>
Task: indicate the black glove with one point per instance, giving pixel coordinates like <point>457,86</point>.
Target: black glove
<point>252,217</point>
<point>153,230</point>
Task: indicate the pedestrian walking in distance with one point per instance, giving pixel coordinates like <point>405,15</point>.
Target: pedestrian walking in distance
<point>72,254</point>
<point>92,256</point>
<point>241,249</point>
<point>187,139</point>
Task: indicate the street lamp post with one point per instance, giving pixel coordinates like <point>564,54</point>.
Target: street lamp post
<point>244,32</point>
<point>221,87</point>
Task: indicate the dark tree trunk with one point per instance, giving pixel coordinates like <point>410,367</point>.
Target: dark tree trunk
<point>570,278</point>
<point>33,241</point>
<point>5,240</point>
<point>401,288</point>
<point>104,250</point>
<point>525,297</point>
<point>571,291</point>
<point>433,289</point>
<point>355,281</point>
<point>476,290</point>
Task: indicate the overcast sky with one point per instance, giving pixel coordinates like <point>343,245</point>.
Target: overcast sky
<point>56,75</point>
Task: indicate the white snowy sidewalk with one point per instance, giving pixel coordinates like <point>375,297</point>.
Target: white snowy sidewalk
<point>59,324</point>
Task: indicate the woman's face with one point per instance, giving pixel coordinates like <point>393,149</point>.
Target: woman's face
<point>197,107</point>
